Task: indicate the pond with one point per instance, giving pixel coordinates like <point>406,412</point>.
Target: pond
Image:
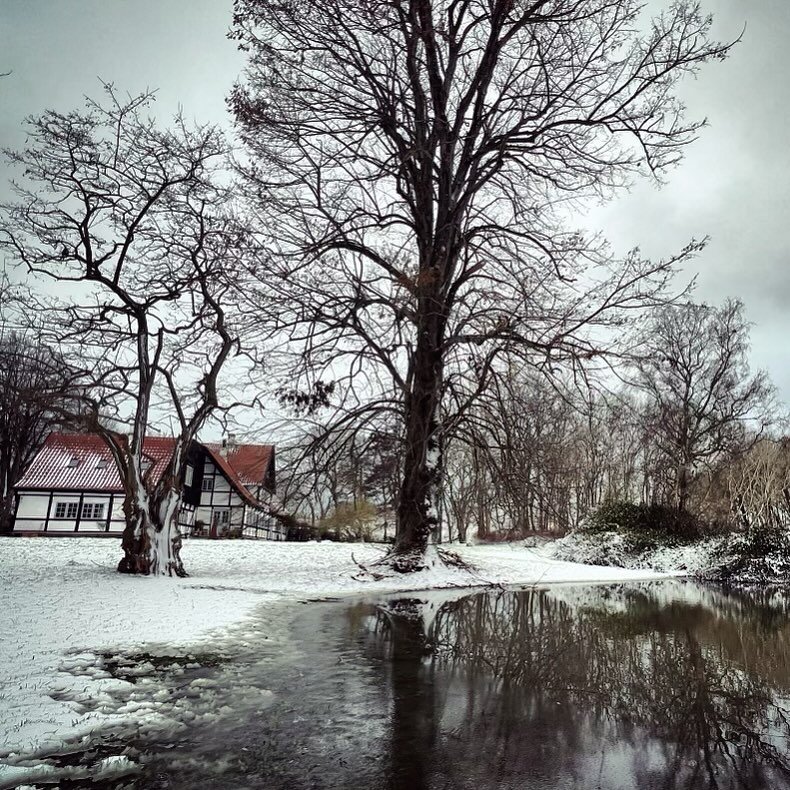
<point>661,685</point>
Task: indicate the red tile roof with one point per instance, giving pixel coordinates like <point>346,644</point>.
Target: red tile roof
<point>243,465</point>
<point>94,468</point>
<point>250,462</point>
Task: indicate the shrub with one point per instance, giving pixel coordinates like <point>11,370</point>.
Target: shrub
<point>645,526</point>
<point>350,522</point>
<point>760,556</point>
<point>612,516</point>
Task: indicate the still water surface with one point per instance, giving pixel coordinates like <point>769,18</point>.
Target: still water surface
<point>666,685</point>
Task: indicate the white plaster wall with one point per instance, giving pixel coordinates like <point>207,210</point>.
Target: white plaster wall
<point>34,506</point>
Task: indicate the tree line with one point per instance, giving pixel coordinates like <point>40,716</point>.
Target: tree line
<point>685,425</point>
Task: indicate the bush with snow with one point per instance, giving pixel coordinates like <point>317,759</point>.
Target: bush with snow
<point>646,526</point>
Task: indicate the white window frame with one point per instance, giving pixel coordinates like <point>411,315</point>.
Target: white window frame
<point>93,511</point>
<point>189,474</point>
<point>67,510</point>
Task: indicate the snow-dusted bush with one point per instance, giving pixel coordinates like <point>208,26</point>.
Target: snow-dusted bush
<point>758,556</point>
<point>701,558</point>
<point>645,526</point>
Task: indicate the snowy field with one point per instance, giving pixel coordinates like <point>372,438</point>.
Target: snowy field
<point>63,607</point>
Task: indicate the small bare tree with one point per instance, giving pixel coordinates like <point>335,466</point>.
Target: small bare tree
<point>704,401</point>
<point>410,157</point>
<point>757,487</point>
<point>130,222</point>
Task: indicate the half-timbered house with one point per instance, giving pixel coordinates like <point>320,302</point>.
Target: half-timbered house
<point>236,480</point>
<point>72,487</point>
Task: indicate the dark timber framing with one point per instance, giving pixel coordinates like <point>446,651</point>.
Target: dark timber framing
<point>79,512</point>
<point>49,510</point>
<point>220,499</point>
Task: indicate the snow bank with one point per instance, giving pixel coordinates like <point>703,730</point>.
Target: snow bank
<point>64,612</point>
<point>611,548</point>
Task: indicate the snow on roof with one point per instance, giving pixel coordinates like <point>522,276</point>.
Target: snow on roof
<point>83,462</point>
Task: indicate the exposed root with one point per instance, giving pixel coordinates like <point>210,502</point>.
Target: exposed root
<point>415,561</point>
<point>454,560</point>
<point>366,572</point>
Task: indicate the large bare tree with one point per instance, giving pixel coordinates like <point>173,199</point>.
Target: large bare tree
<point>414,160</point>
<point>131,224</point>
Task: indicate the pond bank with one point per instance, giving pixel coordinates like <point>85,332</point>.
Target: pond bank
<point>731,559</point>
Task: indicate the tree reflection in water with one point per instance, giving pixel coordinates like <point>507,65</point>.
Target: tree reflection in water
<point>616,688</point>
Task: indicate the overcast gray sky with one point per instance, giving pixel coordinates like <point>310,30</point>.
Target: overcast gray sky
<point>734,184</point>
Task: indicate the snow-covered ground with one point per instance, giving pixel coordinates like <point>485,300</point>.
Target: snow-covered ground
<point>63,607</point>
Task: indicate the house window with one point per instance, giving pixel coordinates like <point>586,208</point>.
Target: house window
<point>73,461</point>
<point>66,509</point>
<point>91,510</point>
<point>188,475</point>
<point>208,484</point>
<point>101,463</point>
<point>221,516</point>
<point>145,465</point>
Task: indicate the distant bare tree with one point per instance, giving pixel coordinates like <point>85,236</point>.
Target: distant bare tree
<point>408,158</point>
<point>130,221</point>
<point>757,488</point>
<point>695,371</point>
<point>35,381</point>
<point>329,473</point>
<point>466,492</point>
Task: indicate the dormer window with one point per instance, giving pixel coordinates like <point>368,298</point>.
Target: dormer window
<point>101,463</point>
<point>145,464</point>
<point>73,462</point>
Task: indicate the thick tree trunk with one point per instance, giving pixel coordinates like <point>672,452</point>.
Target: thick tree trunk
<point>151,539</point>
<point>416,516</point>
<point>416,511</point>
